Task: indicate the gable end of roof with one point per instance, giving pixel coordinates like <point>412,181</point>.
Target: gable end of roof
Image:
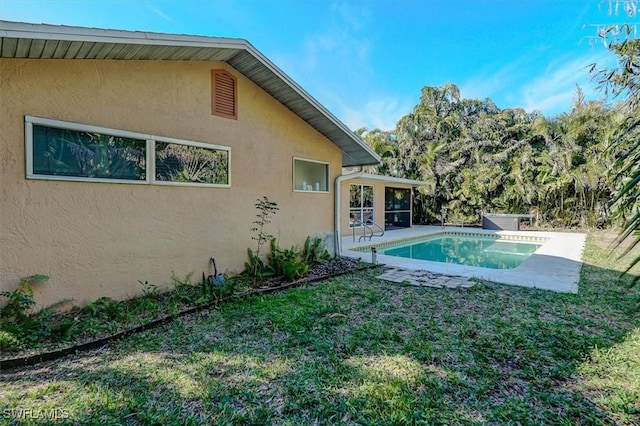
<point>42,41</point>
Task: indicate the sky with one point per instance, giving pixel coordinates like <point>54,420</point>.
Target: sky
<point>368,60</point>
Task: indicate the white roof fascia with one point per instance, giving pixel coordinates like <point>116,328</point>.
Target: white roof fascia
<point>393,179</point>
<point>67,33</point>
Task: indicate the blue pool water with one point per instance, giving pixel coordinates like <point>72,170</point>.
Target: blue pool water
<point>471,251</point>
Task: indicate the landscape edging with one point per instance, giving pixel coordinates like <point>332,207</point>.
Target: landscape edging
<point>30,360</point>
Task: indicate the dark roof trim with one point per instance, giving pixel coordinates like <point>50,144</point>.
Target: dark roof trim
<point>42,41</point>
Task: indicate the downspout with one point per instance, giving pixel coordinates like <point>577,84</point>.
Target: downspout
<point>337,242</point>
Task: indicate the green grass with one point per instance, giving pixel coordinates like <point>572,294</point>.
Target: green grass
<point>356,350</point>
<point>37,332</point>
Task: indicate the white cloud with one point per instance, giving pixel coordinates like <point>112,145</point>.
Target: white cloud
<point>378,113</point>
<point>550,91</point>
<point>551,104</point>
<point>334,65</point>
<point>336,49</point>
<point>553,91</point>
<point>490,82</point>
<point>336,54</point>
<point>357,18</point>
<point>161,14</point>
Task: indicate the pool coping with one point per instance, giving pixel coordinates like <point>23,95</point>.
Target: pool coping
<point>553,266</point>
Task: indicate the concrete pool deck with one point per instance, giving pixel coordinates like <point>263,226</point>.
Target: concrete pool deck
<point>554,266</point>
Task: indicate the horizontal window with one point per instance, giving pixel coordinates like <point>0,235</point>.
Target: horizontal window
<point>309,175</point>
<point>185,163</point>
<point>69,151</point>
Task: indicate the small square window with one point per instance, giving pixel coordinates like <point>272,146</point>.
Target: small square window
<point>309,175</point>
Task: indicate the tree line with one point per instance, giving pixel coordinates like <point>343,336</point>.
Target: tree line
<point>478,158</point>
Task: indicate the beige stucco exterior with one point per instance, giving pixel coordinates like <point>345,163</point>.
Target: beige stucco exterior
<point>101,239</point>
<point>378,202</point>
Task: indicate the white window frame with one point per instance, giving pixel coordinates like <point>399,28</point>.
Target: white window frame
<point>150,148</point>
<point>293,175</point>
<point>361,209</point>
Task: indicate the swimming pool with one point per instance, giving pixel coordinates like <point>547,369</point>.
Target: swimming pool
<point>485,252</point>
<point>554,266</point>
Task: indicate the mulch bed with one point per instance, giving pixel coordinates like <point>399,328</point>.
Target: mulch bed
<point>335,267</point>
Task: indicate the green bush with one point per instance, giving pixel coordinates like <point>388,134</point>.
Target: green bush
<point>183,289</point>
<point>20,301</point>
<point>62,330</point>
<point>214,291</point>
<point>287,263</point>
<point>18,325</point>
<point>256,268</point>
<point>106,306</point>
<point>8,342</point>
<point>314,252</point>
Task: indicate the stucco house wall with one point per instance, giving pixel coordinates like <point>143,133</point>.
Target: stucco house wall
<point>100,239</point>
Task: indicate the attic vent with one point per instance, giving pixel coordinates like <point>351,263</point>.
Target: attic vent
<point>223,94</point>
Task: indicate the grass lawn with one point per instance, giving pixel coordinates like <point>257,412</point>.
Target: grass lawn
<point>357,350</point>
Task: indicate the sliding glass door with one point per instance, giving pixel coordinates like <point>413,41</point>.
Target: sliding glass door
<point>397,208</point>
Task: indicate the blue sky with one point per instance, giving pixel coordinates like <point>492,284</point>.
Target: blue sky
<point>367,61</point>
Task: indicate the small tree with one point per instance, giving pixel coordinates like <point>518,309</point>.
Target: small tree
<point>266,209</point>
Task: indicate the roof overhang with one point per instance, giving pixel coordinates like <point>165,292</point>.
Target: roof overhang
<point>42,41</point>
<point>391,179</point>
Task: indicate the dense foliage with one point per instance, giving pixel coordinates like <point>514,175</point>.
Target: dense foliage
<point>624,81</point>
<point>479,158</point>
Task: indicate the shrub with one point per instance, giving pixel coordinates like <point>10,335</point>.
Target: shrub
<point>184,290</point>
<point>20,301</point>
<point>8,342</point>
<point>256,268</point>
<point>288,263</point>
<point>213,290</point>
<point>314,252</point>
<point>106,306</point>
<point>20,326</point>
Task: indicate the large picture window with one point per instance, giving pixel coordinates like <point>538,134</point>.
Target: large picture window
<point>82,154</point>
<point>69,151</point>
<point>309,175</point>
<point>360,205</point>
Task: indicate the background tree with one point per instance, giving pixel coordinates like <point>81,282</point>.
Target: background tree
<point>624,81</point>
<point>478,158</point>
<point>382,143</point>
